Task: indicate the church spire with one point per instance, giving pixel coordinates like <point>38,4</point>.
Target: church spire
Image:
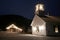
<point>39,9</point>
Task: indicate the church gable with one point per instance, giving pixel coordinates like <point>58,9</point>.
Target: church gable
<point>37,21</point>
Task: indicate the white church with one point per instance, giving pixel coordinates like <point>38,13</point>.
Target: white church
<point>44,24</point>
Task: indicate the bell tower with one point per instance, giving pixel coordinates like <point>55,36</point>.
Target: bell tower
<point>39,9</point>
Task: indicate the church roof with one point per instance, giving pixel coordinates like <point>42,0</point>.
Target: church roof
<point>53,19</point>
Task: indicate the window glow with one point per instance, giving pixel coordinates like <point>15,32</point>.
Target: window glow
<point>56,29</point>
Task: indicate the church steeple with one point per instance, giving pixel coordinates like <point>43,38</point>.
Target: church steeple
<point>39,9</point>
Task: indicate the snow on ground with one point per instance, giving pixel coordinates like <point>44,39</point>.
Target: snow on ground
<point>18,36</point>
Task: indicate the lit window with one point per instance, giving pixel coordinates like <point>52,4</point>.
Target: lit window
<point>56,29</point>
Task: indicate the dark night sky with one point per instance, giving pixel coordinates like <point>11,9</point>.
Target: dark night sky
<point>26,7</point>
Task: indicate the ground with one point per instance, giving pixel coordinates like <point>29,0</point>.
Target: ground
<point>18,36</point>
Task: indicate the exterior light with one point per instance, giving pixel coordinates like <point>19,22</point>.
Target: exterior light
<point>13,26</point>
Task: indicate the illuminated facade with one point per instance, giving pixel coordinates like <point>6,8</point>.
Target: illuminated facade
<point>44,25</point>
<point>13,28</point>
<point>38,26</point>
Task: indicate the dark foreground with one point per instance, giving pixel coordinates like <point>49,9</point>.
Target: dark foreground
<point>18,36</point>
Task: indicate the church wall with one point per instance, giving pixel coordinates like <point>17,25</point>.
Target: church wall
<point>50,30</point>
<point>37,25</point>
